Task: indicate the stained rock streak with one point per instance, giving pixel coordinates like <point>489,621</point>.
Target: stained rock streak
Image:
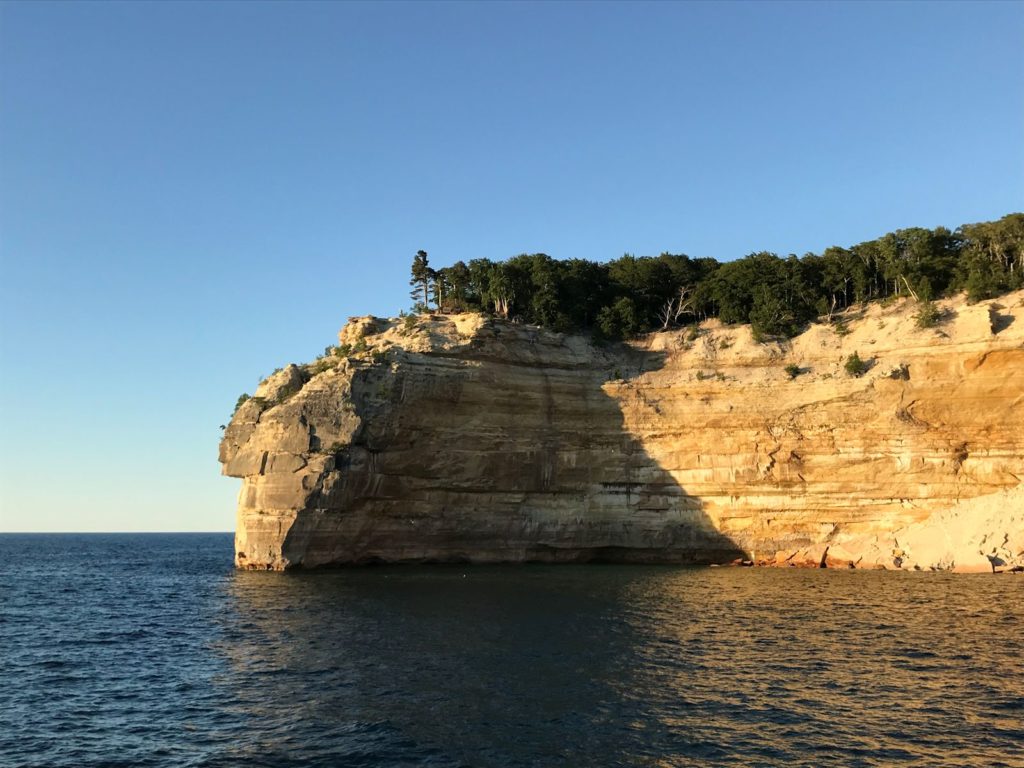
<point>461,438</point>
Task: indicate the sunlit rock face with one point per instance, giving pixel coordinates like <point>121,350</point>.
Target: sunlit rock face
<point>459,438</point>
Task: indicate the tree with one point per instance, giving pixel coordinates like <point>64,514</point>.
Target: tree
<point>770,316</point>
<point>457,277</point>
<point>584,290</point>
<point>648,282</point>
<point>841,272</point>
<point>677,306</point>
<point>440,288</point>
<point>501,290</point>
<point>619,321</point>
<point>422,274</point>
<point>991,257</point>
<point>636,294</point>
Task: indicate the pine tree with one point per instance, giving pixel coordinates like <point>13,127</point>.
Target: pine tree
<point>420,280</point>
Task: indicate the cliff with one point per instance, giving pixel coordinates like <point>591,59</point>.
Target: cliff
<point>461,438</point>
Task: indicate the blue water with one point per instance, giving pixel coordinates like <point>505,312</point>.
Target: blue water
<point>150,650</point>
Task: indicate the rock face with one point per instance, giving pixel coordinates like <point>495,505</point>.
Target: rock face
<point>459,438</point>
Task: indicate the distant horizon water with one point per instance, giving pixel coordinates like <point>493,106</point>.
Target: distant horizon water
<point>109,533</point>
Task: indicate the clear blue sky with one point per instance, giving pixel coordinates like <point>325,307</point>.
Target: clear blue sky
<point>194,194</point>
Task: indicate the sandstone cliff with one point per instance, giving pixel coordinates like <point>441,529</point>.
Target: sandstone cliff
<point>460,438</point>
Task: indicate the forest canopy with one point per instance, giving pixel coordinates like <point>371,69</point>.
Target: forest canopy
<point>776,295</point>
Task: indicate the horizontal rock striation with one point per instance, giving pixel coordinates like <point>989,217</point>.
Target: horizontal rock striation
<point>461,438</point>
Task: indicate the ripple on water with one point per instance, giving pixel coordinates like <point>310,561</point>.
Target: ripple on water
<point>152,651</point>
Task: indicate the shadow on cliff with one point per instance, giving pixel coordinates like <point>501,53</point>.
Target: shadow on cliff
<point>683,532</point>
<point>509,447</point>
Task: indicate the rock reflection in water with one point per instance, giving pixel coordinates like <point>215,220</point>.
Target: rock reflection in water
<point>541,665</point>
<point>491,666</point>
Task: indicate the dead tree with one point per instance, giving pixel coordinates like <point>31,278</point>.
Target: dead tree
<point>676,307</point>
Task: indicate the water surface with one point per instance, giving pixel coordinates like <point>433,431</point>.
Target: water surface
<point>150,650</point>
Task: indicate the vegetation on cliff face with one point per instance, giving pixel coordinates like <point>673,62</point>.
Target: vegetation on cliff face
<point>776,295</point>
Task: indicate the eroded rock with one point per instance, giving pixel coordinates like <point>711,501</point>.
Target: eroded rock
<point>446,438</point>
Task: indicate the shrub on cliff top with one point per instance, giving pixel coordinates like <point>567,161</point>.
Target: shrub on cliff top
<point>928,315</point>
<point>285,392</point>
<point>321,365</point>
<point>793,370</point>
<point>241,401</point>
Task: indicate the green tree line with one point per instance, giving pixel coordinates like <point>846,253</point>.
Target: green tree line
<point>777,295</point>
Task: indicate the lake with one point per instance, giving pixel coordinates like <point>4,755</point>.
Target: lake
<point>151,650</point>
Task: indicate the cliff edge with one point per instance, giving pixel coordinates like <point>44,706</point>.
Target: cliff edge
<point>462,438</point>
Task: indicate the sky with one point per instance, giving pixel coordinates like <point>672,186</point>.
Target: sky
<point>193,194</point>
